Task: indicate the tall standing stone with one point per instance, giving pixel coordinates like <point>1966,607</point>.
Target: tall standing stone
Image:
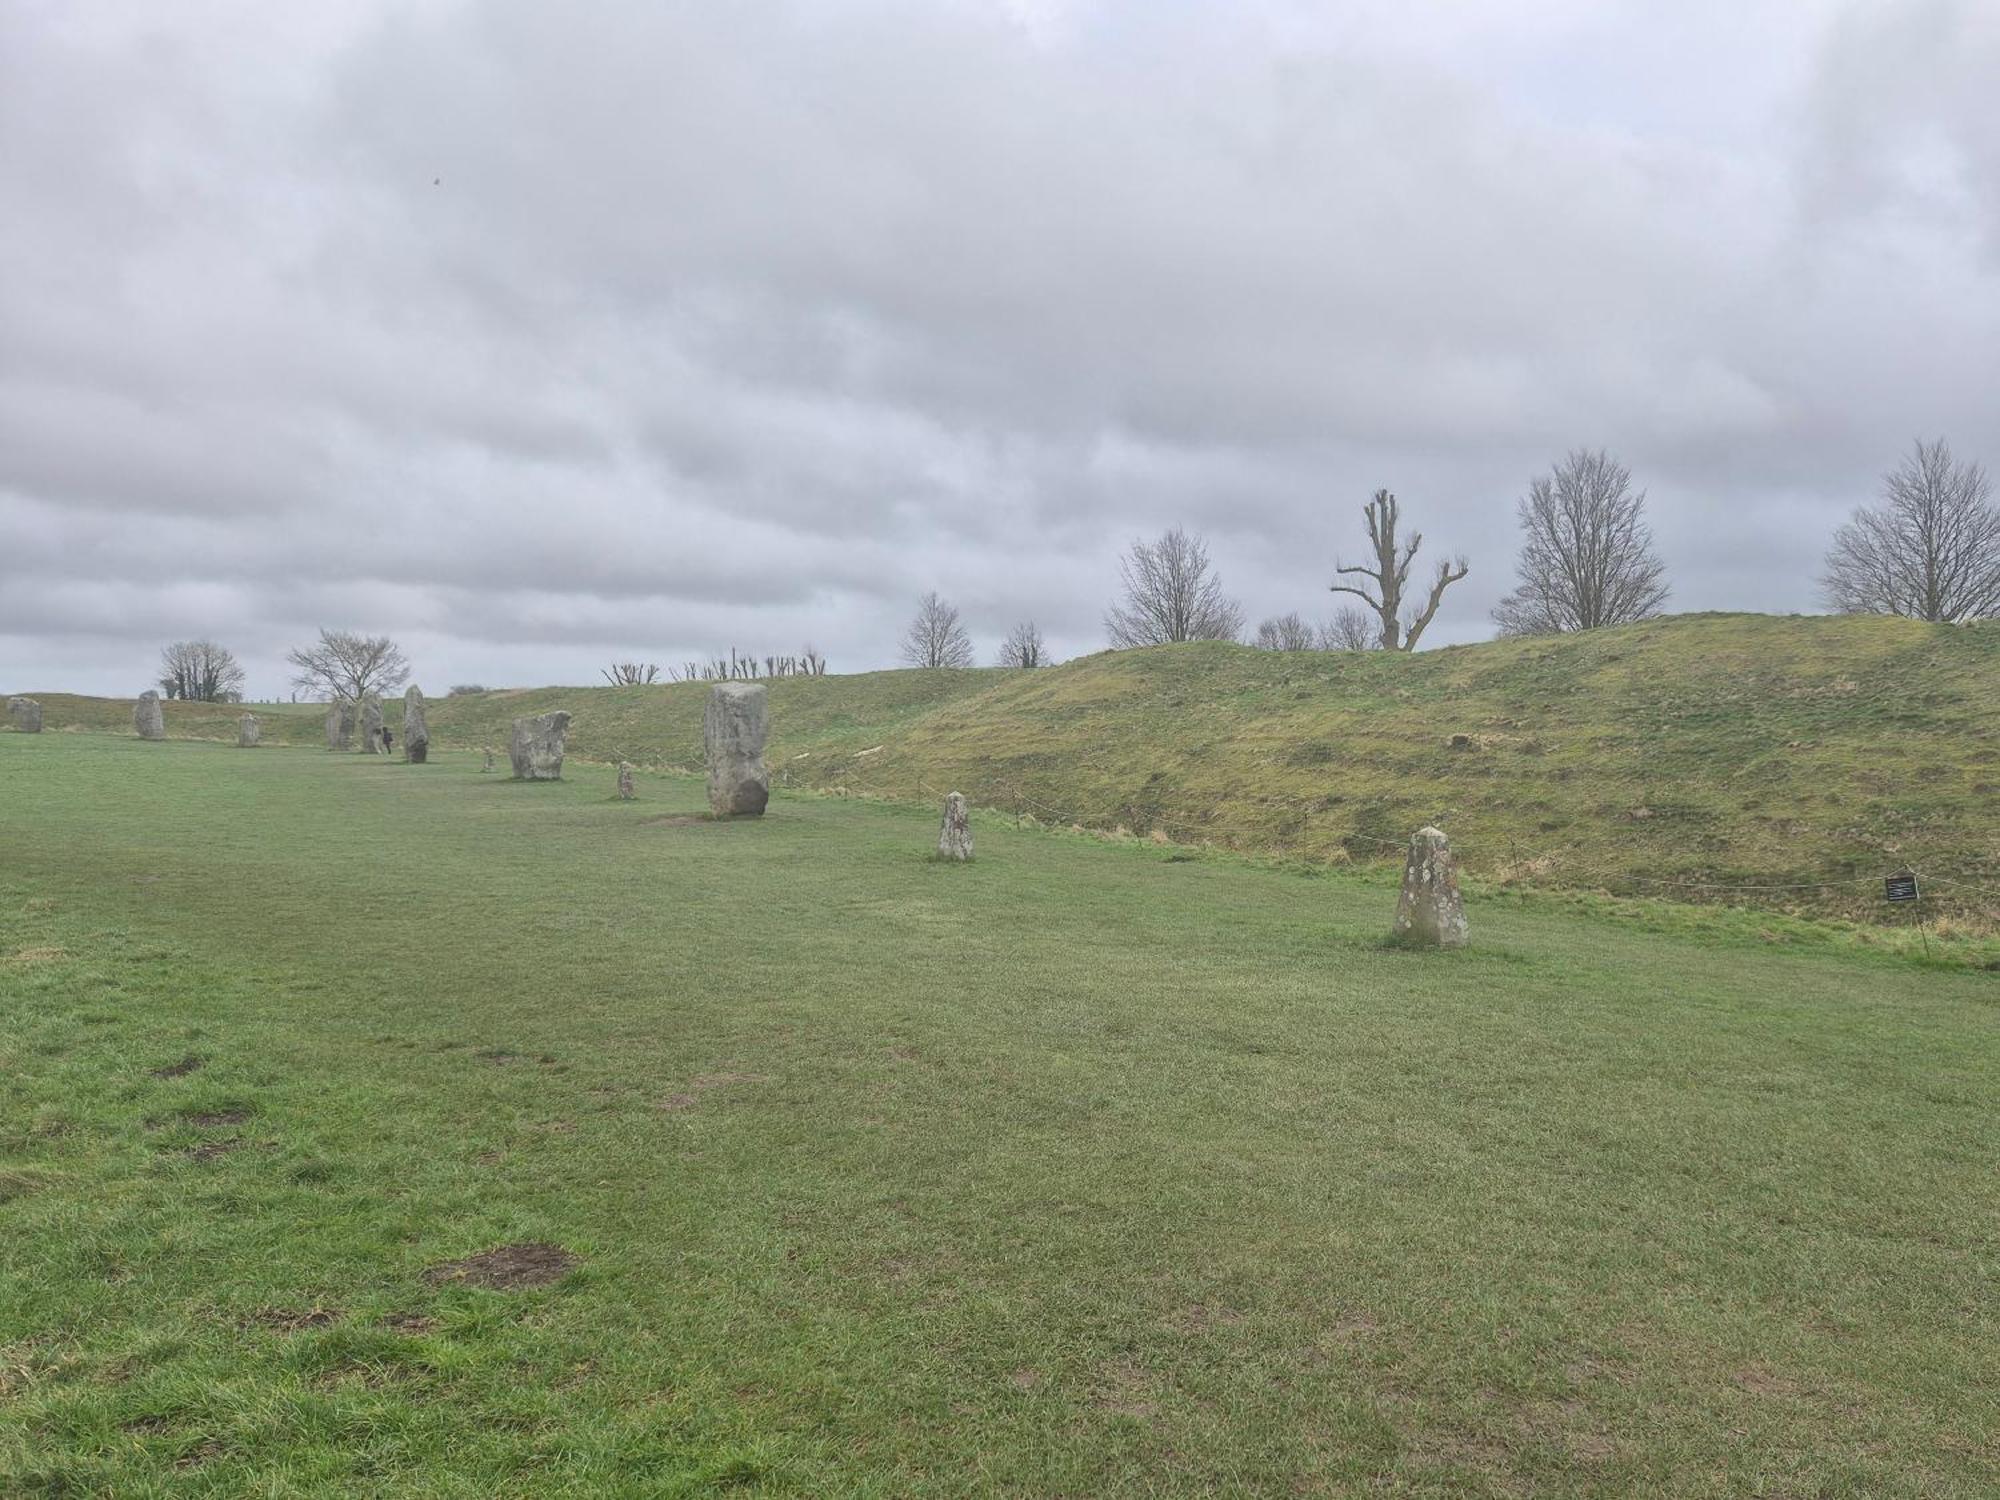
<point>149,720</point>
<point>25,714</point>
<point>732,732</point>
<point>487,751</point>
<point>246,732</point>
<point>339,724</point>
<point>371,725</point>
<point>1430,912</point>
<point>624,781</point>
<point>416,733</point>
<point>955,834</point>
<point>537,747</point>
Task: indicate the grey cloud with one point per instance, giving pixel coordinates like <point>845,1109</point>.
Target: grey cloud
<point>538,334</point>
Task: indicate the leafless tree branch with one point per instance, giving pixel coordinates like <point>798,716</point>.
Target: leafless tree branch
<point>1929,551</point>
<point>1170,594</point>
<point>937,637</point>
<point>1587,555</point>
<point>1391,573</point>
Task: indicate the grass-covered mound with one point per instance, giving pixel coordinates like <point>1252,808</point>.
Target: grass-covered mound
<point>373,1129</point>
<point>1750,759</point>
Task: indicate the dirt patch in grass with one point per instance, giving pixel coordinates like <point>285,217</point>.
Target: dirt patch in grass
<point>204,1452</point>
<point>534,1263</point>
<point>1125,1390</point>
<point>416,1325</point>
<point>1761,1380</point>
<point>210,1150</point>
<point>27,956</point>
<point>19,1184</point>
<point>209,1119</point>
<point>501,1056</point>
<point>1200,1317</point>
<point>705,1083</point>
<point>181,1069</point>
<point>290,1319</point>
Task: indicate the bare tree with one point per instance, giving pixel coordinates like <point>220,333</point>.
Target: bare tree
<point>346,664</point>
<point>200,672</point>
<point>631,673</point>
<point>1351,629</point>
<point>1170,595</point>
<point>1587,556</point>
<point>1930,551</point>
<point>1287,632</point>
<point>1391,575</point>
<point>936,638</point>
<point>1024,647</point>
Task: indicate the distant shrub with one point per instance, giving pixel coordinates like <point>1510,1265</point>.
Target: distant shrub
<point>461,689</point>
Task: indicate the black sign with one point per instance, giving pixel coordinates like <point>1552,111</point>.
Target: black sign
<point>1900,888</point>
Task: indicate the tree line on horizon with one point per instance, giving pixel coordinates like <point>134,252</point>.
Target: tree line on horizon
<point>1929,549</point>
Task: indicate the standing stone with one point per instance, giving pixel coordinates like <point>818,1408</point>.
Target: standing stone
<point>339,724</point>
<point>732,732</point>
<point>537,748</point>
<point>624,781</point>
<point>371,725</point>
<point>955,836</point>
<point>487,750</point>
<point>1430,912</point>
<point>25,714</point>
<point>416,733</point>
<point>246,732</point>
<point>149,720</point>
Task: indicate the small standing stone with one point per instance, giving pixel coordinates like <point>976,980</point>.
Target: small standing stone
<point>371,725</point>
<point>25,714</point>
<point>416,733</point>
<point>1430,913</point>
<point>246,732</point>
<point>149,720</point>
<point>955,835</point>
<point>339,724</point>
<point>537,748</point>
<point>624,781</point>
<point>732,732</point>
<point>487,750</point>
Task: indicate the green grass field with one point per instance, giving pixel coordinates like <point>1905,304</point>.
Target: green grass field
<point>1088,1169</point>
<point>1785,764</point>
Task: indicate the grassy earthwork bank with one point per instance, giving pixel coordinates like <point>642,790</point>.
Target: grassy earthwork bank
<point>817,1168</point>
<point>1781,764</point>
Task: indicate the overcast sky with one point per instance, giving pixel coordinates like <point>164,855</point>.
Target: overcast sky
<point>540,335</point>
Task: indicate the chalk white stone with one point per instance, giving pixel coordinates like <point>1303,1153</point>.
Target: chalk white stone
<point>1430,913</point>
<point>416,733</point>
<point>732,732</point>
<point>955,833</point>
<point>537,747</point>
<point>247,732</point>
<point>149,720</point>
